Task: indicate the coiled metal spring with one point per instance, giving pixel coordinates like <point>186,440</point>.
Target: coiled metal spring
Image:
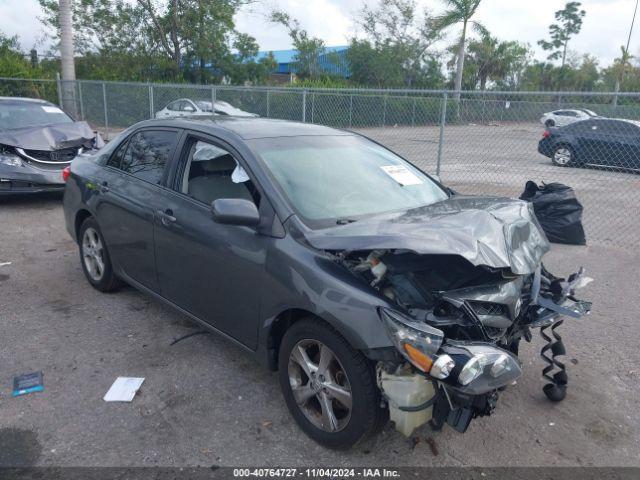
<point>557,389</point>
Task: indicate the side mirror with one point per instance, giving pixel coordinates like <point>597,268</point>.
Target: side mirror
<point>235,211</point>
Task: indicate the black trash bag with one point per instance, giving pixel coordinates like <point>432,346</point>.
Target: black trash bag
<point>558,211</point>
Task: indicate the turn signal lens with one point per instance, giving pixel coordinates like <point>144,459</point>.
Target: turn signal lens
<point>416,341</point>
<point>66,173</point>
<point>418,358</point>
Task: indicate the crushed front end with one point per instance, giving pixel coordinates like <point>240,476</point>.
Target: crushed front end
<point>32,159</point>
<point>457,318</point>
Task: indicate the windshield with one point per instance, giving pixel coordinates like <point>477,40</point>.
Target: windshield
<point>26,114</point>
<point>337,179</point>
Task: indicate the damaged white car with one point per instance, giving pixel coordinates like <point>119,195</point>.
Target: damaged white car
<point>37,141</point>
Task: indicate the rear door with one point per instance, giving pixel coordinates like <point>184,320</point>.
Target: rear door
<point>130,193</point>
<point>591,141</point>
<point>213,271</point>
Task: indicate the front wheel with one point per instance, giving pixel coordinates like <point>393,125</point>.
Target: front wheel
<point>328,386</point>
<point>94,257</point>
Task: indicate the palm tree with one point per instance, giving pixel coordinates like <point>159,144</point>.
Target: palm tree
<point>66,56</point>
<point>624,59</point>
<point>460,11</point>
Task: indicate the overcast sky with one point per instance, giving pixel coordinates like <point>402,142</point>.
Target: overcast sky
<point>605,28</point>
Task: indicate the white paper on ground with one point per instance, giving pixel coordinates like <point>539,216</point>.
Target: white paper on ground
<point>401,174</point>
<point>123,389</point>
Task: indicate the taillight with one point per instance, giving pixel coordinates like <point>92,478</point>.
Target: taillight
<point>546,134</point>
<point>66,173</point>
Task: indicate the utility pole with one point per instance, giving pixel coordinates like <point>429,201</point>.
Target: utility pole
<point>68,83</point>
<point>625,56</point>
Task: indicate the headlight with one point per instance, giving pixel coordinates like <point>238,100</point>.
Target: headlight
<point>486,368</point>
<point>417,342</point>
<point>442,367</point>
<point>10,159</point>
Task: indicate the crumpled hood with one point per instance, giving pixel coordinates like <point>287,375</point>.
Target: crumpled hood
<point>491,231</point>
<point>51,137</point>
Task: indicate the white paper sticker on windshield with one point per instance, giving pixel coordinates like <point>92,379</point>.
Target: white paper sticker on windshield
<point>401,174</point>
<point>49,109</point>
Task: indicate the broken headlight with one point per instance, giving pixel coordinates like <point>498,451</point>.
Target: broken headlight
<point>483,368</point>
<point>417,342</point>
<point>8,158</point>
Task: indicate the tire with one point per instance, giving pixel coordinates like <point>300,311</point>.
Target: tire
<point>348,371</point>
<point>563,156</point>
<point>550,123</point>
<point>94,257</point>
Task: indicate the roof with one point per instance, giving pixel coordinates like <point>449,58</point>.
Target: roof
<point>23,99</point>
<point>288,56</point>
<point>250,127</point>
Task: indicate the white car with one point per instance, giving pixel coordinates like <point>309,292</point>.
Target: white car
<point>185,107</point>
<point>559,118</point>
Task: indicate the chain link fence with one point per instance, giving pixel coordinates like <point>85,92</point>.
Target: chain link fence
<point>487,143</point>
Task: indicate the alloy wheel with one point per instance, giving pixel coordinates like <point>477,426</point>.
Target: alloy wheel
<point>320,385</point>
<point>93,254</point>
<point>562,156</point>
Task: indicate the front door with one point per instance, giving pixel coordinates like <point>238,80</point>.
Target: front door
<point>213,271</point>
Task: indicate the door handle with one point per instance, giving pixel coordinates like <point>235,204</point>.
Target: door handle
<point>104,187</point>
<point>166,216</point>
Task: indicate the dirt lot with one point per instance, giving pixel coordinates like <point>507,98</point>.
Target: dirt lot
<point>205,403</point>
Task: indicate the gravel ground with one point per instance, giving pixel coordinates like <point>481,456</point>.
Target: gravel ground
<point>205,403</point>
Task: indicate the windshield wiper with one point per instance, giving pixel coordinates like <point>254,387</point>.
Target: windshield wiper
<point>345,221</point>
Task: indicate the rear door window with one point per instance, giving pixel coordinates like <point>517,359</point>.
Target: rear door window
<point>148,153</point>
<point>583,127</point>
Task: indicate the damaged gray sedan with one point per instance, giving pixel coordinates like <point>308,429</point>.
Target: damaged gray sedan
<point>37,141</point>
<point>375,291</point>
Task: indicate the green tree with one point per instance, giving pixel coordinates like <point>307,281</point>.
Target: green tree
<point>242,67</point>
<point>147,36</point>
<point>397,49</point>
<point>460,12</point>
<point>489,59</point>
<point>12,61</point>
<point>569,24</point>
<point>580,73</point>
<point>308,48</point>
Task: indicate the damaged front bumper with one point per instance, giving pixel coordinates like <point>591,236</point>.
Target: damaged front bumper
<point>26,178</point>
<point>32,158</point>
<point>461,380</point>
<point>21,174</point>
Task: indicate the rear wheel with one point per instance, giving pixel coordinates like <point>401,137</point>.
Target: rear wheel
<point>563,156</point>
<point>94,257</point>
<point>329,387</point>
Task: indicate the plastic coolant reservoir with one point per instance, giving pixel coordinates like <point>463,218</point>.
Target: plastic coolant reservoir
<point>407,389</point>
